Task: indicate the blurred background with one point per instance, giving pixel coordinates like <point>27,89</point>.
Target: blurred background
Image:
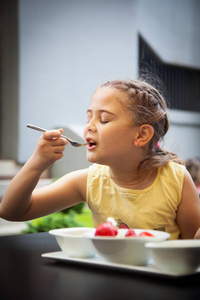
<point>54,54</point>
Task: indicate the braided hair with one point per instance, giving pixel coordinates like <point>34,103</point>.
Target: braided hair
<point>147,106</point>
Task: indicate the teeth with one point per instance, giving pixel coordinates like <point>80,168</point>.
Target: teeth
<point>91,141</point>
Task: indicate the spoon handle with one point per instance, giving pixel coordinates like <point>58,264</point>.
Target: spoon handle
<point>36,128</point>
<point>73,143</point>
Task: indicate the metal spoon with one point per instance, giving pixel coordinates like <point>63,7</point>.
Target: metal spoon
<point>73,143</point>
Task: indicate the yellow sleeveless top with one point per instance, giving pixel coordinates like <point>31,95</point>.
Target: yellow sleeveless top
<point>152,208</point>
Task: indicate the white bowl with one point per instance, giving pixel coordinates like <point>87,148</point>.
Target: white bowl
<point>72,241</point>
<point>125,250</point>
<point>180,256</point>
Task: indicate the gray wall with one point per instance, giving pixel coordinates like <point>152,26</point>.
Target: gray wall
<point>67,48</point>
<point>171,27</point>
<point>184,134</point>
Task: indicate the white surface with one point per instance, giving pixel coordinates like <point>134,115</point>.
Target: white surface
<point>72,241</point>
<point>127,250</point>
<point>176,256</point>
<point>150,269</point>
<point>11,228</point>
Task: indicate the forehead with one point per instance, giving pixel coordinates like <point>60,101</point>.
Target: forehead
<point>106,97</point>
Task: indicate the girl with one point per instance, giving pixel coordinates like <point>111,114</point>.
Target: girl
<point>132,179</point>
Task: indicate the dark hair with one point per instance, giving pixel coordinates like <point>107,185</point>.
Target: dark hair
<point>147,106</point>
<point>193,167</point>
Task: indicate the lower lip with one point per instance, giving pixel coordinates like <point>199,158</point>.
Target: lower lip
<point>91,147</point>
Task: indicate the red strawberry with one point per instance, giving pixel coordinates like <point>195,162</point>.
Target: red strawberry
<point>106,229</point>
<point>145,233</point>
<point>130,232</point>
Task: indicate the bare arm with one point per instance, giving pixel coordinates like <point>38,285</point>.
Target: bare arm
<point>21,202</point>
<point>188,214</point>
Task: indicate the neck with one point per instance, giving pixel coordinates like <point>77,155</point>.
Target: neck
<point>130,178</point>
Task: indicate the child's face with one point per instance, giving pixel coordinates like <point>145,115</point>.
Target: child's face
<point>109,129</point>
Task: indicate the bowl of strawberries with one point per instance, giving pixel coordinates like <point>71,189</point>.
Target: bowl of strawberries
<point>124,246</point>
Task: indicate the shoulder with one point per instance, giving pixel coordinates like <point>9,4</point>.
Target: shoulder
<point>188,214</point>
<point>175,167</point>
<point>76,176</point>
<point>188,182</point>
<point>173,172</point>
<point>97,172</point>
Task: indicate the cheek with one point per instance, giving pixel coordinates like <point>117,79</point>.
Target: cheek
<point>122,138</point>
<point>106,136</point>
<point>110,139</point>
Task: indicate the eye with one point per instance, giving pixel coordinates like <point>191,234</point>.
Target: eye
<point>104,121</point>
<point>104,118</point>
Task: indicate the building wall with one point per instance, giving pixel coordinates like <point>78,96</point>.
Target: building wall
<point>171,27</point>
<point>67,48</point>
<point>184,134</point>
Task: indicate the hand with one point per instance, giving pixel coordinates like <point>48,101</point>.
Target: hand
<point>49,148</point>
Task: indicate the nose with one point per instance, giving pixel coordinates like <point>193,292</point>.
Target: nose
<point>90,126</point>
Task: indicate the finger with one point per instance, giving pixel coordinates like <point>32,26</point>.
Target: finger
<point>59,149</point>
<point>52,134</point>
<point>57,142</point>
<point>59,156</point>
<point>55,157</point>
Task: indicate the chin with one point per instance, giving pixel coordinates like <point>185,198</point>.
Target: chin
<point>94,160</point>
<point>91,159</point>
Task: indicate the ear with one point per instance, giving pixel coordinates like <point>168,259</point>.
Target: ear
<point>144,135</point>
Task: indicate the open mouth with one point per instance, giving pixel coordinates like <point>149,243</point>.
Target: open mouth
<point>91,142</point>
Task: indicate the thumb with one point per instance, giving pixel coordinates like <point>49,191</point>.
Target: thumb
<point>61,130</point>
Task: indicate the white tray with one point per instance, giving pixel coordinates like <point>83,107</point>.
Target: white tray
<point>150,269</point>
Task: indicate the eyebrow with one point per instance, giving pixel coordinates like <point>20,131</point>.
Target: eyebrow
<point>101,111</point>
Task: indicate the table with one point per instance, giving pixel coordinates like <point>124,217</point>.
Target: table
<point>25,275</point>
